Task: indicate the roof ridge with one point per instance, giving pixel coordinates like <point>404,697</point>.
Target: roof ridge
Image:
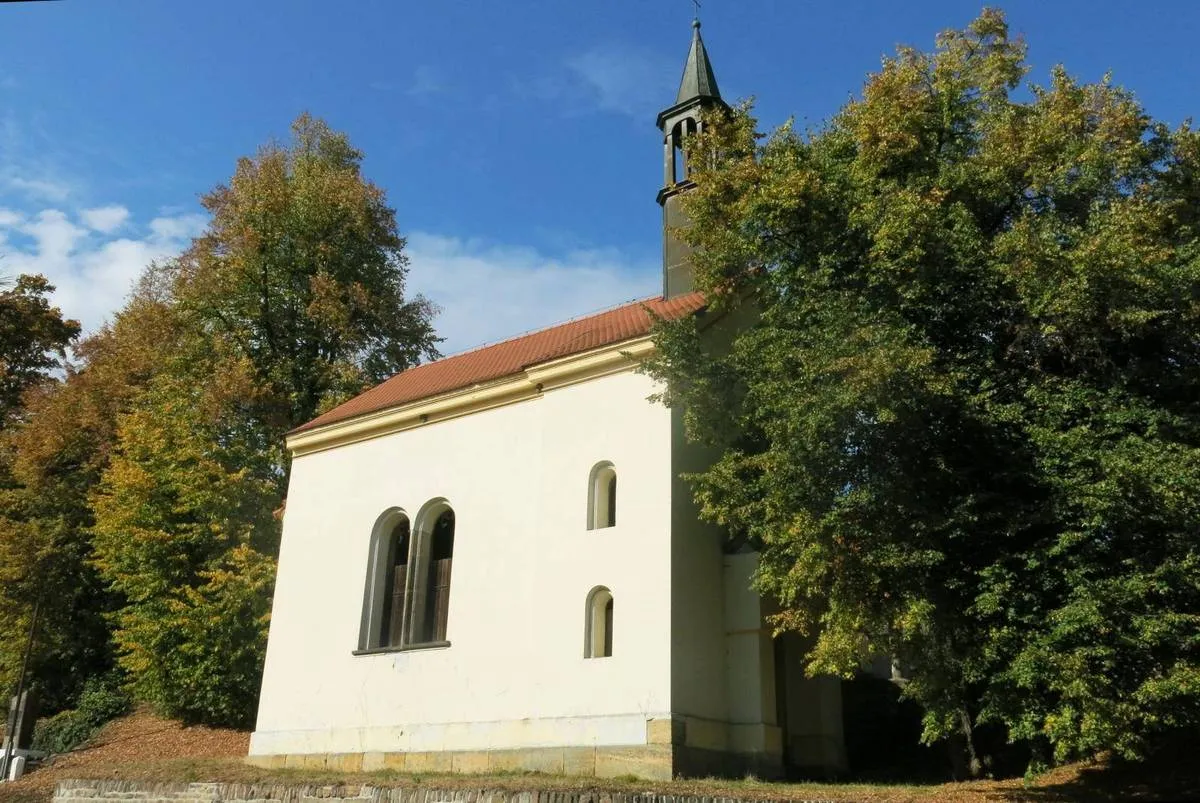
<point>502,358</point>
<point>573,319</point>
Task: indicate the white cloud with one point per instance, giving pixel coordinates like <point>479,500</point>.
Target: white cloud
<point>625,80</point>
<point>105,219</point>
<point>178,227</point>
<point>41,189</point>
<point>489,292</point>
<point>55,235</point>
<point>486,291</point>
<point>610,78</point>
<point>92,273</point>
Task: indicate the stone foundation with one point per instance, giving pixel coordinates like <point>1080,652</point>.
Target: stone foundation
<point>653,762</point>
<point>141,792</point>
<point>675,747</point>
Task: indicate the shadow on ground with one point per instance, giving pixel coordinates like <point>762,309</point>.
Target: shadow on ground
<point>1171,774</point>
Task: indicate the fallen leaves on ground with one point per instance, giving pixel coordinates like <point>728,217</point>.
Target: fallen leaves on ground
<point>144,747</point>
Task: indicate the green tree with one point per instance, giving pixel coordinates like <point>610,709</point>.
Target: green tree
<point>185,533</point>
<point>52,456</point>
<point>290,302</point>
<point>961,423</point>
<point>303,269</point>
<point>33,340</point>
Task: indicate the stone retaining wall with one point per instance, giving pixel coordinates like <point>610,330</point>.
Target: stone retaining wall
<point>72,791</point>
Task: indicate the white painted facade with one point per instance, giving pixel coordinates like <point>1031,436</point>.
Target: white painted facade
<point>524,562</point>
<point>689,645</point>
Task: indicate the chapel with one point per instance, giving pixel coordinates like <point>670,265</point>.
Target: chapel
<point>489,562</point>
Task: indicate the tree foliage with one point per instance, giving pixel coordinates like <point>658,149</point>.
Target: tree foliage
<point>184,532</point>
<point>53,457</point>
<point>292,300</point>
<point>145,484</point>
<point>963,425</point>
<point>302,270</point>
<point>33,340</point>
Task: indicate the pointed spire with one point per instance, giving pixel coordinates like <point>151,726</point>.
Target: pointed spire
<point>698,79</point>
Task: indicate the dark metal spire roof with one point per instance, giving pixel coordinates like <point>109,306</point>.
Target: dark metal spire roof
<point>698,79</point>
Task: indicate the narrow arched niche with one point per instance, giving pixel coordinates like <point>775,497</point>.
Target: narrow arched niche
<point>602,496</point>
<point>598,624</point>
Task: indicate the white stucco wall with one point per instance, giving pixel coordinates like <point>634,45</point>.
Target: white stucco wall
<point>524,562</point>
<point>698,637</point>
<point>700,644</point>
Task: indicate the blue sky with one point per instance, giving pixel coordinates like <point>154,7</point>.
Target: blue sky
<point>515,139</point>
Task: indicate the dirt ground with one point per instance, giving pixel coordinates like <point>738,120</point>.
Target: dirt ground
<point>138,739</point>
<point>145,747</point>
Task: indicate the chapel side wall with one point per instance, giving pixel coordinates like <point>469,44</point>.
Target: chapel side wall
<point>699,680</point>
<point>723,685</point>
<point>515,675</point>
<point>698,645</point>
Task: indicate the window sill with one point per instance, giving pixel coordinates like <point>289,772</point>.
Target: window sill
<point>428,645</point>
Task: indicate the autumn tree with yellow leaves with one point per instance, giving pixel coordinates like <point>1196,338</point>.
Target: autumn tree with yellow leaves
<point>160,458</point>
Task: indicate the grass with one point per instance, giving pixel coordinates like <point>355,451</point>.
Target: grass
<point>144,748</point>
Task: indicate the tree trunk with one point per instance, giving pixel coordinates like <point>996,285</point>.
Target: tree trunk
<point>974,767</point>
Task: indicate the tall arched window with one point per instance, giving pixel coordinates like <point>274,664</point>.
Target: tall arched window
<point>602,496</point>
<point>395,584</point>
<point>407,598</point>
<point>598,624</point>
<point>441,556</point>
<point>680,166</point>
<point>387,579</point>
<point>430,606</point>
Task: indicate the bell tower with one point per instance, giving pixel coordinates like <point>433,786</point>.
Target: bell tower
<point>697,93</point>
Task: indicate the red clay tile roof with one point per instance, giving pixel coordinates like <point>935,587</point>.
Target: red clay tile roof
<point>512,356</point>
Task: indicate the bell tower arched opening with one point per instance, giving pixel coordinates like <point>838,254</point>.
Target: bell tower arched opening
<point>697,95</point>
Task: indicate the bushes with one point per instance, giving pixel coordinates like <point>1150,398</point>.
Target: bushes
<point>62,732</point>
<point>101,700</point>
